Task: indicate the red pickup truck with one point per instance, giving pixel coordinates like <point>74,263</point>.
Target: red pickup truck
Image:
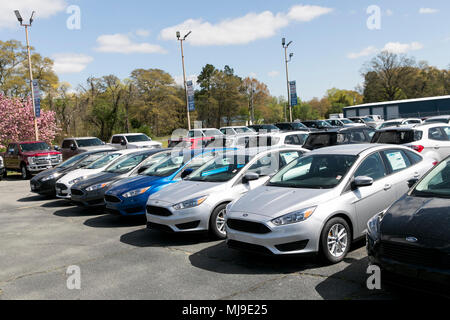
<point>30,157</point>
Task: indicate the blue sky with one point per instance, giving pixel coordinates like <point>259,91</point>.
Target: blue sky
<point>331,39</point>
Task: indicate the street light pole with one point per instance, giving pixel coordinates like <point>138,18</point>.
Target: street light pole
<point>19,18</point>
<point>184,76</point>
<point>286,46</point>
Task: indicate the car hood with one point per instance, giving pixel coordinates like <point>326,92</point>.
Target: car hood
<point>40,153</point>
<point>427,219</point>
<point>94,148</point>
<point>46,173</point>
<point>78,173</point>
<point>275,201</point>
<point>100,177</point>
<point>134,183</point>
<point>145,144</point>
<point>186,190</point>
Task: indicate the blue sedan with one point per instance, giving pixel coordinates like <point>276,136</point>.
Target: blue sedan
<point>129,196</point>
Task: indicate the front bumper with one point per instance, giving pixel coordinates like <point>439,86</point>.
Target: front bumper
<point>43,187</point>
<point>62,191</point>
<point>186,220</point>
<point>413,275</point>
<point>295,239</point>
<point>134,206</point>
<point>88,199</point>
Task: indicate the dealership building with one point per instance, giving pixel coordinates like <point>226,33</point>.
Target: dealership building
<point>411,108</point>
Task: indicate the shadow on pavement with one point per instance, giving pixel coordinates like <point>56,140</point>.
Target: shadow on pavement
<point>77,212</point>
<point>57,204</point>
<point>152,238</point>
<point>35,198</point>
<point>115,221</point>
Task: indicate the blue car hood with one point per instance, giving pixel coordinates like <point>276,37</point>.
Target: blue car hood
<point>134,183</point>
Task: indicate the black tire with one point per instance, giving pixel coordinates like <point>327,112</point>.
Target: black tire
<point>25,174</point>
<point>328,230</point>
<point>213,229</point>
<point>5,174</point>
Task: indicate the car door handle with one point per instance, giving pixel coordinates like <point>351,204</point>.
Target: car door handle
<point>387,187</point>
<point>437,147</point>
<point>416,175</point>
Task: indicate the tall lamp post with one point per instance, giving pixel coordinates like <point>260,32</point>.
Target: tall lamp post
<point>19,17</point>
<point>184,75</point>
<point>285,47</point>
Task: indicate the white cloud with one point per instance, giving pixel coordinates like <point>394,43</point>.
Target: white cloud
<point>397,47</point>
<point>394,47</point>
<point>363,53</point>
<point>70,62</point>
<point>44,9</point>
<point>428,10</point>
<point>142,33</point>
<point>121,43</point>
<point>273,74</point>
<point>179,79</point>
<point>242,30</point>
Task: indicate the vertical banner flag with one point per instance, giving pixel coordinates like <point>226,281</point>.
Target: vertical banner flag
<point>37,98</point>
<point>293,89</point>
<point>190,94</point>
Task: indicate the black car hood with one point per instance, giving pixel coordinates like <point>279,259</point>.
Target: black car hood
<point>427,219</point>
<point>46,173</point>
<point>98,178</point>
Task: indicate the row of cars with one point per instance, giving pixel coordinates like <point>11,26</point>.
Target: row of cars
<point>278,200</point>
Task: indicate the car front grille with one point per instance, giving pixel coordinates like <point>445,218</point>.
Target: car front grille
<point>61,186</point>
<point>248,226</point>
<point>76,192</point>
<point>238,245</point>
<point>414,255</point>
<point>112,199</point>
<point>158,211</point>
<point>47,160</point>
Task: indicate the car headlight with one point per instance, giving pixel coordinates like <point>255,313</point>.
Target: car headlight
<point>294,217</point>
<point>135,193</point>
<point>373,225</point>
<point>190,203</point>
<point>76,180</point>
<point>51,177</point>
<point>31,160</point>
<point>97,186</point>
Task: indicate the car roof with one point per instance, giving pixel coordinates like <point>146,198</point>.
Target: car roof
<point>390,129</point>
<point>129,134</point>
<point>81,138</point>
<point>439,117</point>
<point>337,130</point>
<point>347,149</point>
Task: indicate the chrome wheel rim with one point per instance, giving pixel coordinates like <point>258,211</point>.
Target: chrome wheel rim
<point>24,172</point>
<point>337,240</point>
<point>220,221</point>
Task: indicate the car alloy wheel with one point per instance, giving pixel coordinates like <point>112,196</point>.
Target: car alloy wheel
<point>337,240</point>
<point>217,222</point>
<point>220,222</point>
<point>24,172</point>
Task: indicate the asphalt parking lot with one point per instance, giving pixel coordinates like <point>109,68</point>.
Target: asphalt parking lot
<point>119,259</point>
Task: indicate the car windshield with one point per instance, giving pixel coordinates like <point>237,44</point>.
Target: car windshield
<point>346,121</point>
<point>314,172</point>
<point>390,124</point>
<point>221,169</point>
<point>258,141</point>
<point>438,120</point>
<point>436,183</point>
<point>38,146</point>
<point>82,143</point>
<point>397,136</point>
<point>138,138</point>
<point>367,119</point>
<point>297,125</point>
<point>103,161</point>
<point>72,161</point>
<point>90,159</point>
<point>242,130</point>
<point>126,164</point>
<point>166,166</point>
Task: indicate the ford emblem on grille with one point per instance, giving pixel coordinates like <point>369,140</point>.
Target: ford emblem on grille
<point>411,239</point>
<point>245,215</point>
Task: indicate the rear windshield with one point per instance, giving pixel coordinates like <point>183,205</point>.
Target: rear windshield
<point>439,120</point>
<point>397,136</point>
<point>89,143</point>
<point>138,138</point>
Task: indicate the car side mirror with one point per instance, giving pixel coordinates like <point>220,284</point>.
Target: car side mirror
<point>123,143</point>
<point>250,176</point>
<point>142,169</point>
<point>412,182</point>
<point>186,172</point>
<point>73,147</point>
<point>362,181</point>
<point>57,148</point>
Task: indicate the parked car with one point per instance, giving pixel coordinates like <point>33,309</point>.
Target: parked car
<point>74,146</point>
<point>236,130</point>
<point>343,122</point>
<point>432,140</point>
<point>91,191</point>
<point>410,240</point>
<point>400,123</point>
<point>350,135</point>
<point>64,184</point>
<point>2,168</point>
<point>321,202</point>
<point>438,119</point>
<point>128,197</point>
<point>198,203</point>
<point>318,124</point>
<point>292,126</point>
<point>44,182</point>
<point>276,139</point>
<point>377,119</point>
<point>133,141</point>
<point>196,138</point>
<point>30,158</point>
<point>264,128</point>
<point>366,121</point>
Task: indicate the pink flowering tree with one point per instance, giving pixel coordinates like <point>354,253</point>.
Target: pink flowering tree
<point>17,122</point>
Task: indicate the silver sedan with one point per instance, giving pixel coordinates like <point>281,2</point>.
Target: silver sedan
<point>198,203</point>
<point>322,201</point>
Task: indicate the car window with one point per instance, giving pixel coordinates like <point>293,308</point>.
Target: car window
<point>372,167</point>
<point>89,142</point>
<point>222,168</point>
<point>436,183</point>
<point>116,140</point>
<point>266,165</point>
<point>287,157</point>
<point>103,161</point>
<point>437,134</point>
<point>199,161</point>
<point>126,164</point>
<point>138,138</point>
<point>447,131</point>
<point>397,160</point>
<point>66,144</point>
<point>413,157</point>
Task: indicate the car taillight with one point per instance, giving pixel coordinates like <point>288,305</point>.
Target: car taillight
<point>435,163</point>
<point>417,148</point>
